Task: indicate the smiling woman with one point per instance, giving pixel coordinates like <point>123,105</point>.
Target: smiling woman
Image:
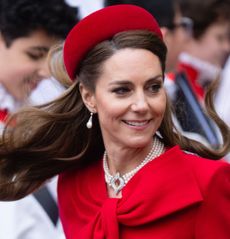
<point>129,108</point>
<point>125,170</point>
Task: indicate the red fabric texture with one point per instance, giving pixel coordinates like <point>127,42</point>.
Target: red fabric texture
<point>102,25</point>
<point>192,76</point>
<point>175,196</point>
<point>3,114</point>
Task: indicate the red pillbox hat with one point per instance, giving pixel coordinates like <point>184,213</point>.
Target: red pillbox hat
<point>103,25</point>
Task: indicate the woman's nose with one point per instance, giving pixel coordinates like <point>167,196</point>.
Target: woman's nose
<point>139,103</point>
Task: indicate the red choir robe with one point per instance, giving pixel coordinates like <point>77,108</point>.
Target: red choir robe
<point>175,196</point>
<point>199,74</point>
<point>3,115</point>
<point>8,105</point>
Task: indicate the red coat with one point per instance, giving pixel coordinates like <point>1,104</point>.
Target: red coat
<point>175,196</point>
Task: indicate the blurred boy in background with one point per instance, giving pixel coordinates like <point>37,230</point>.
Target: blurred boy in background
<point>28,29</point>
<point>206,51</point>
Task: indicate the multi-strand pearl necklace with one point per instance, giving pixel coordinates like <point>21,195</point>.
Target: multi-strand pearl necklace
<point>118,181</point>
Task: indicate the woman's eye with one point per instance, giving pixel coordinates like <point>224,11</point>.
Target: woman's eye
<point>154,88</point>
<point>121,90</point>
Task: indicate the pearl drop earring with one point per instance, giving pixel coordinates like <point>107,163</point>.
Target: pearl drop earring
<point>89,123</point>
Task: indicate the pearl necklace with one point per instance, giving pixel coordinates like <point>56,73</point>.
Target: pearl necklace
<point>118,181</point>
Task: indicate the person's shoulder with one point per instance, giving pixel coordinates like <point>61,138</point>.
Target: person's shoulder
<point>67,178</point>
<point>78,176</point>
<point>195,162</point>
<point>201,163</point>
<point>205,170</point>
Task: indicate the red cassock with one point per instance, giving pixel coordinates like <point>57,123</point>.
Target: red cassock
<point>175,196</point>
<point>3,115</point>
<point>193,77</point>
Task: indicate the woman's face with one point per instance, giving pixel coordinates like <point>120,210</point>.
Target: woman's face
<point>129,98</point>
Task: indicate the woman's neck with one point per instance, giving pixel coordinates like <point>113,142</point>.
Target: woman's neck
<point>123,159</point>
<point>124,164</point>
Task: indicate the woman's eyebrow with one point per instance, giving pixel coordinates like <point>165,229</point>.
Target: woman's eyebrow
<point>127,82</point>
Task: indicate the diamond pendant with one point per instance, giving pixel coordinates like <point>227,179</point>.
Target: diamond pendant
<point>117,183</point>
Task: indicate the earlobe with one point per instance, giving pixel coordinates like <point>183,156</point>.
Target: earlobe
<point>88,98</point>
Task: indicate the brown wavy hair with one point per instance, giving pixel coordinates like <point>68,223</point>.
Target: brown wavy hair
<point>53,138</point>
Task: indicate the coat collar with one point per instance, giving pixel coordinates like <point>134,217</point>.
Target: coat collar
<point>164,186</point>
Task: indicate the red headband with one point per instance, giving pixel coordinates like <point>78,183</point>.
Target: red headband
<point>103,25</point>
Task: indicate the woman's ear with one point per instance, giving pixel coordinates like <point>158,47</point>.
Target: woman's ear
<point>88,98</point>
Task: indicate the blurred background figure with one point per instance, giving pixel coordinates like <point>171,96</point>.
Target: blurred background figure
<point>222,102</point>
<point>86,6</point>
<point>46,91</point>
<point>207,50</point>
<point>50,89</point>
<point>28,29</point>
<point>202,62</point>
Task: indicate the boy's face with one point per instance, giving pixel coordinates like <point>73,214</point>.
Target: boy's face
<point>214,45</point>
<point>23,64</point>
<point>175,40</point>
